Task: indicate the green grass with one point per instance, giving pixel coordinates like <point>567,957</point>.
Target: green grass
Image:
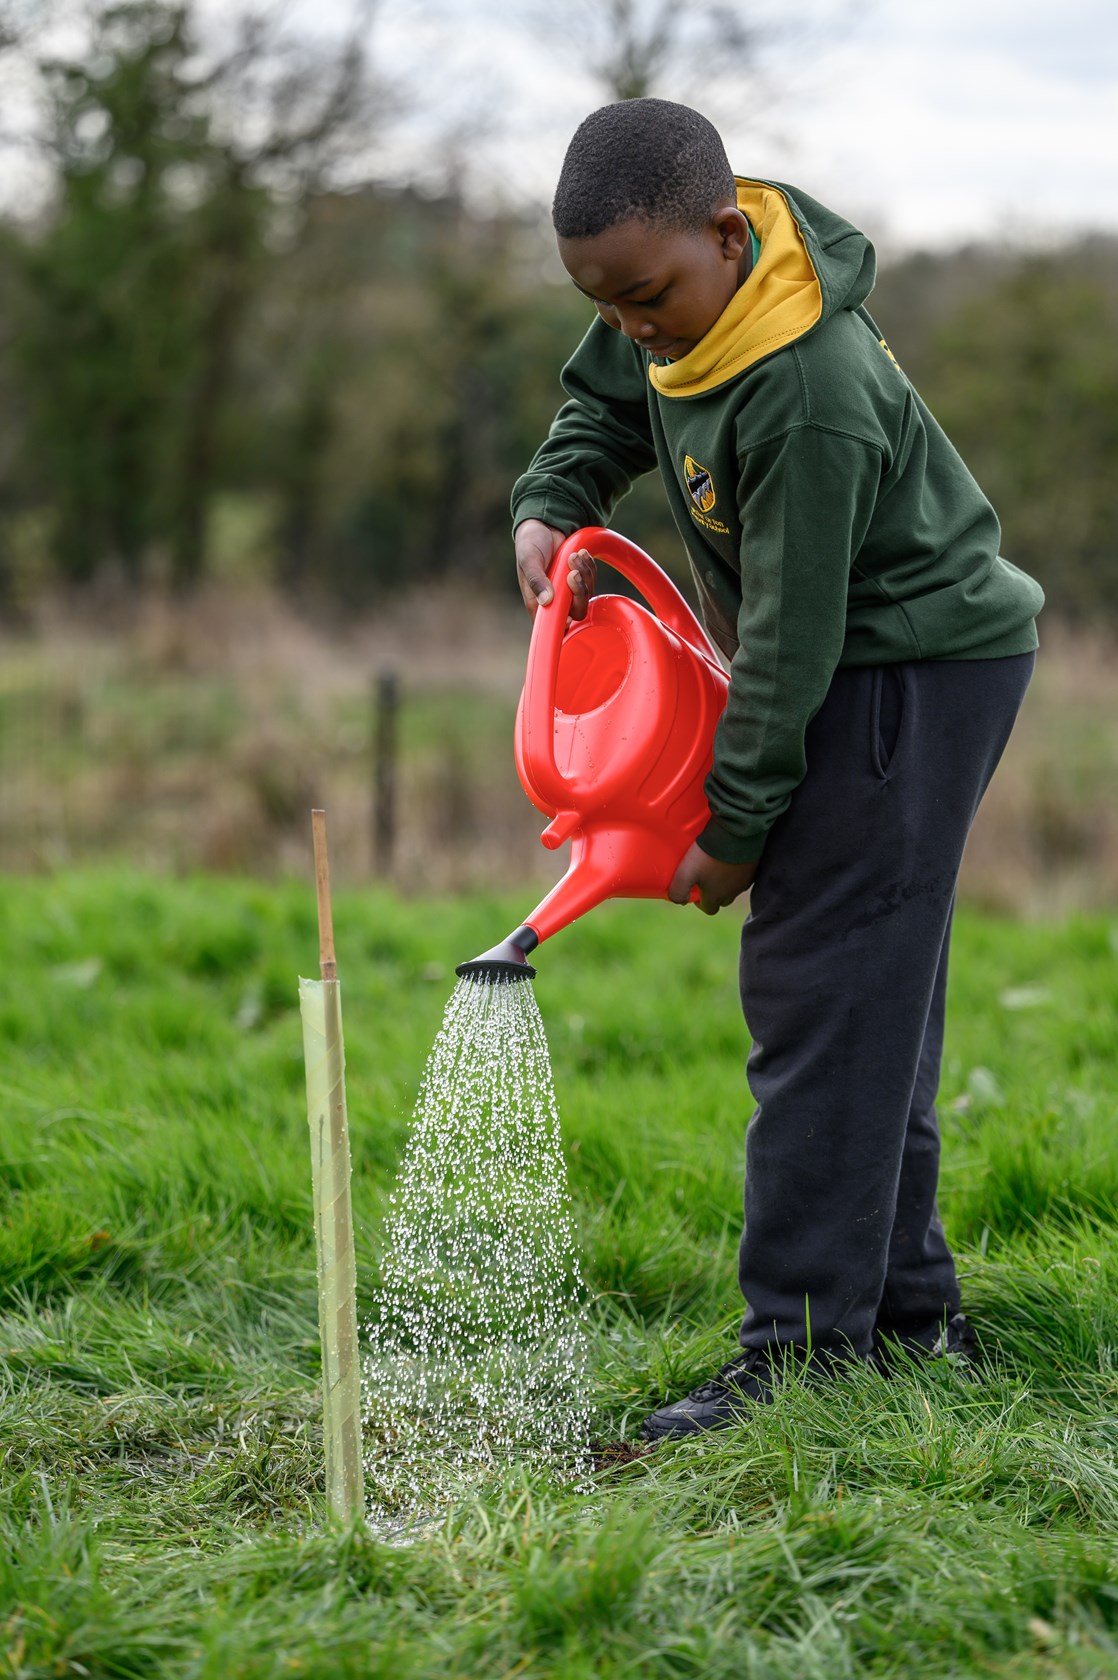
<point>162,1496</point>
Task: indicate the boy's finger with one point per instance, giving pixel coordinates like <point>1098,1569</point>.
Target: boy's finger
<point>712,897</point>
<point>683,881</point>
<point>534,586</point>
<point>581,577</point>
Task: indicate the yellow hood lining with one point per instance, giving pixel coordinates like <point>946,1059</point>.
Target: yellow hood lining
<point>780,301</point>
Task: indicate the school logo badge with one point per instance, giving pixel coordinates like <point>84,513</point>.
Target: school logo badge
<point>699,484</point>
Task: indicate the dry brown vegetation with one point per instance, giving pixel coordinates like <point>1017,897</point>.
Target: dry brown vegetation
<point>198,736</point>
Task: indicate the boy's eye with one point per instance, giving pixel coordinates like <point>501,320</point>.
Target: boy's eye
<point>637,303</point>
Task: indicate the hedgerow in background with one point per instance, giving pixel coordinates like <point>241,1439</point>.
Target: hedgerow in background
<point>236,340</point>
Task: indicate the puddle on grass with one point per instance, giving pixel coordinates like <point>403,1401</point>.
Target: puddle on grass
<point>478,1355</point>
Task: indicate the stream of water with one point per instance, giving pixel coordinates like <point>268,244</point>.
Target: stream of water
<point>477,1351</point>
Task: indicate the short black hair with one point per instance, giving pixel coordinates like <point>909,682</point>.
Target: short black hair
<point>641,158</point>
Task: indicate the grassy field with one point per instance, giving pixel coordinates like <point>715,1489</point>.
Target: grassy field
<point>161,1507</point>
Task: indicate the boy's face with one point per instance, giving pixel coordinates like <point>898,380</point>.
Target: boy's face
<point>662,287</point>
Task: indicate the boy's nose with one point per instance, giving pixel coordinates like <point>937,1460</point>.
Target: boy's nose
<point>633,326</point>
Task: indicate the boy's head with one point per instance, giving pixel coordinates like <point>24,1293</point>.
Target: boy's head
<point>647,222</point>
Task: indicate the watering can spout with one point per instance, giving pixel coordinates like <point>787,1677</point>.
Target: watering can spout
<point>506,962</point>
<point>614,740</point>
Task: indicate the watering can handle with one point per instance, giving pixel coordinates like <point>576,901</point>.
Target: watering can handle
<point>642,571</point>
<point>550,626</point>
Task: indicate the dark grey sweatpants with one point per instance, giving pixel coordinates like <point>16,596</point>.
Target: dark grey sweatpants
<point>843,979</point>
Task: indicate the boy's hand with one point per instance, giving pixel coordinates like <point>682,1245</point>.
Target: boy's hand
<point>536,547</point>
<point>718,883</point>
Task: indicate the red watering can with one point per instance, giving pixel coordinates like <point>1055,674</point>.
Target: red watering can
<point>614,740</point>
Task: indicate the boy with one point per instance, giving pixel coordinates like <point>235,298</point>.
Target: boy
<point>847,564</point>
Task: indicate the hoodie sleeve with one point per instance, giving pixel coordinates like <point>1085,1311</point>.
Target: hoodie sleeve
<point>599,441</point>
<point>805,501</point>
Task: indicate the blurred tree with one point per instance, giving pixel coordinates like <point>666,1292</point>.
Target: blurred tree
<point>409,362</point>
<point>171,169</point>
<point>110,315</point>
<point>638,48</point>
<point>635,47</point>
<point>719,55</point>
<point>1024,378</point>
<point>202,317</point>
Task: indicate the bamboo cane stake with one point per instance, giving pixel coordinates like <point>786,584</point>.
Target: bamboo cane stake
<point>324,1054</point>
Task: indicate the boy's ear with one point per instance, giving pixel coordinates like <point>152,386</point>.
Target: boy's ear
<point>733,231</point>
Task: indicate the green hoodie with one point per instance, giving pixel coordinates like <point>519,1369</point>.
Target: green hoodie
<point>827,518</point>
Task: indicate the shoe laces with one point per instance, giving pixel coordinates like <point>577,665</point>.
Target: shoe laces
<point>723,1380</point>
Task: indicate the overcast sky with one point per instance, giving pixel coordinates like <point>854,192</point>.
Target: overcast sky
<point>930,120</point>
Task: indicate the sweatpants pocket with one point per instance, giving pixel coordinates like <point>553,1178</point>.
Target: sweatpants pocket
<point>887,706</point>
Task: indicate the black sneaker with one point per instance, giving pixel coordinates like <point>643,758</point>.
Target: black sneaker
<point>951,1338</point>
<point>745,1381</point>
<point>742,1382</point>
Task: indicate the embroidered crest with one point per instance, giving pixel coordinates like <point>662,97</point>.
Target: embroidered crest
<point>699,484</point>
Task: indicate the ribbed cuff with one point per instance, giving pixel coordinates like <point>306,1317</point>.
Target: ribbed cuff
<point>555,511</point>
<point>718,842</point>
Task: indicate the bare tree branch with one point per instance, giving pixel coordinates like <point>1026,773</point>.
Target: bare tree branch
<point>708,52</point>
<point>291,110</point>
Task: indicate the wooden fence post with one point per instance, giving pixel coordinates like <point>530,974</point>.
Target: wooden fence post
<point>386,707</point>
